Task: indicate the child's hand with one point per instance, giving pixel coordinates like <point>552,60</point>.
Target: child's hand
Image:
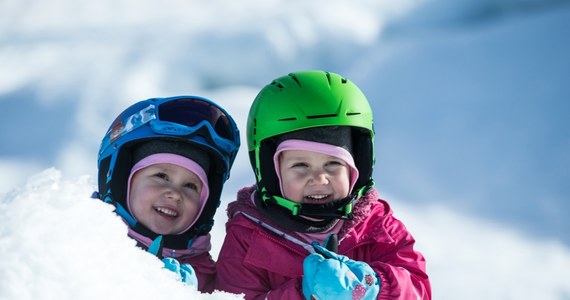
<point>185,272</point>
<point>338,277</point>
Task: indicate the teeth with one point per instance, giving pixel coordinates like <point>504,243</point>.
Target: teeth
<point>167,211</point>
<point>317,197</point>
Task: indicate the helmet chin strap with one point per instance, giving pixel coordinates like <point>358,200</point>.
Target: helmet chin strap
<point>337,209</point>
<point>119,209</point>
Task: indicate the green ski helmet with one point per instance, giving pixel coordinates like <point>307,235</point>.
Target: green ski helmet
<point>297,104</point>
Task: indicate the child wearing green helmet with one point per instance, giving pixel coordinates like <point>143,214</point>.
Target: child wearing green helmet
<point>313,225</point>
<point>162,164</point>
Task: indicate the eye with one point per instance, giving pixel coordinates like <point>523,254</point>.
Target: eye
<point>192,186</point>
<point>335,163</point>
<point>299,165</point>
<point>161,175</point>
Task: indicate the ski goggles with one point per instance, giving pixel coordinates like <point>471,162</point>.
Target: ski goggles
<point>193,118</point>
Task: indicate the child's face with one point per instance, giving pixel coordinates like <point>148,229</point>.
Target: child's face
<point>165,197</point>
<point>312,177</point>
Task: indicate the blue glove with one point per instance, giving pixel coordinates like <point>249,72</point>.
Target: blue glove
<point>185,272</point>
<point>332,276</point>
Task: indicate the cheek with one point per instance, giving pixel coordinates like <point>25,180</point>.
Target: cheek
<point>138,199</point>
<point>192,201</point>
<point>191,210</point>
<point>343,184</point>
<point>192,207</point>
<point>134,196</point>
<point>141,196</point>
<point>292,189</point>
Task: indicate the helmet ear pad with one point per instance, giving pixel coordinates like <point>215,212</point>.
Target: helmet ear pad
<point>363,155</point>
<point>269,178</point>
<point>121,171</point>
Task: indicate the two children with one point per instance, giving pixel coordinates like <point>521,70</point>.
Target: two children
<point>162,164</point>
<point>313,226</point>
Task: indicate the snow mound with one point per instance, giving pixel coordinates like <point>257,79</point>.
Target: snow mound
<point>58,243</point>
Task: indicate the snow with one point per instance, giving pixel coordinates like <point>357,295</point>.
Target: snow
<point>470,101</point>
<point>57,243</point>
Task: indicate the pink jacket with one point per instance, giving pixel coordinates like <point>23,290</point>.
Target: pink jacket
<point>264,261</point>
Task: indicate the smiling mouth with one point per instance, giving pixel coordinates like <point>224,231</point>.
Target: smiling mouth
<point>167,212</point>
<point>317,198</point>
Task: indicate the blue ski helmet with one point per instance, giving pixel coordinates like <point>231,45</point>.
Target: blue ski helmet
<point>184,125</point>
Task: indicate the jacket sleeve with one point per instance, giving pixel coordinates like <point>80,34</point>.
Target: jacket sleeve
<point>402,270</point>
<point>236,276</point>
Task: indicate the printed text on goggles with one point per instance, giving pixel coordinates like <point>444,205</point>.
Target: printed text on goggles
<point>183,117</point>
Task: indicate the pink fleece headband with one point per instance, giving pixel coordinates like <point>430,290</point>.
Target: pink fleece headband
<point>327,149</point>
<point>175,159</point>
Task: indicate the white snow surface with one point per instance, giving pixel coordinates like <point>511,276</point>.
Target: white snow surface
<point>58,243</point>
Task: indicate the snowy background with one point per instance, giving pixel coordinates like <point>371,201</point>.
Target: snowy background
<point>471,103</point>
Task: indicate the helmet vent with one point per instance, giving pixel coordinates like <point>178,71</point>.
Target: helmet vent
<point>328,77</point>
<point>321,116</point>
<point>294,77</point>
<point>288,119</point>
<point>279,85</point>
<point>352,113</point>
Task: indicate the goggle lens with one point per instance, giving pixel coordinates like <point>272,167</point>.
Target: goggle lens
<point>192,111</point>
<point>183,116</point>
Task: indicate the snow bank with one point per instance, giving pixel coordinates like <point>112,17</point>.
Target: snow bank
<point>58,243</point>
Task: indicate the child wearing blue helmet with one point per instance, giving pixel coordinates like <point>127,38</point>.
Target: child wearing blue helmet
<point>162,164</point>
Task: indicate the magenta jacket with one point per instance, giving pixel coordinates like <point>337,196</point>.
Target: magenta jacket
<point>264,261</point>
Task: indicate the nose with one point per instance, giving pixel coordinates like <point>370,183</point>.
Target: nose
<point>173,193</point>
<point>319,178</point>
